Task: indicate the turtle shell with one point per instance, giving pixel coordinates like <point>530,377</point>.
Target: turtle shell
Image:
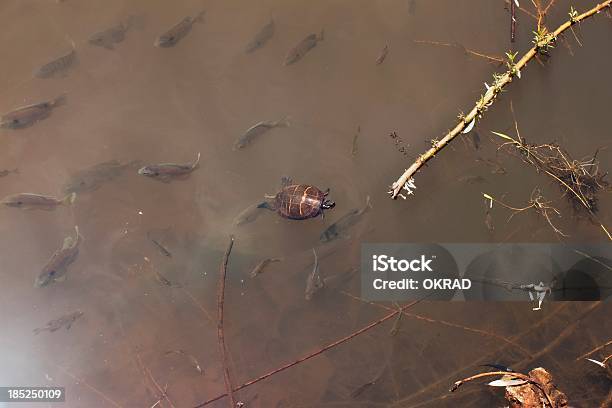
<point>299,201</point>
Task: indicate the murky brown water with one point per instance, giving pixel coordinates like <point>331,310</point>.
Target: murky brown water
<point>139,102</point>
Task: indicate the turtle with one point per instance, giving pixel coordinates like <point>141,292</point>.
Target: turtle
<point>298,201</point>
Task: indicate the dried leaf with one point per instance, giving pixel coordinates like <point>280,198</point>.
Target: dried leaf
<point>469,127</point>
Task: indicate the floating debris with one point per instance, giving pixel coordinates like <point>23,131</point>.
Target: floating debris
<point>28,115</point>
<point>257,130</point>
<point>171,37</point>
<point>262,36</point>
<point>399,143</point>
<point>166,171</point>
<point>297,53</point>
<point>57,66</point>
<point>37,201</point>
<point>339,228</point>
<point>262,265</point>
<point>114,35</point>
<point>56,324</point>
<point>383,55</point>
<point>57,266</point>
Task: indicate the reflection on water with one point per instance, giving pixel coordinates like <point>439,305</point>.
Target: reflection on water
<point>149,317</point>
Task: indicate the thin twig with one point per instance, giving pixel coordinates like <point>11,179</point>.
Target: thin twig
<point>313,354</point>
<point>490,58</point>
<point>606,344</point>
<point>220,333</point>
<point>488,98</point>
<point>523,377</point>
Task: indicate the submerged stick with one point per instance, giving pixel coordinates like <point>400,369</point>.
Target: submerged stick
<point>220,333</point>
<point>466,122</point>
<point>313,354</point>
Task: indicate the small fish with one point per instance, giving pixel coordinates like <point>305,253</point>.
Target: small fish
<point>383,55</point>
<point>471,179</point>
<point>257,130</point>
<point>338,228</point>
<point>355,138</point>
<point>248,215</point>
<point>498,367</point>
<point>57,66</point>
<point>261,37</point>
<point>57,266</point>
<point>171,37</point>
<point>489,221</point>
<point>162,249</point>
<point>113,35</point>
<point>194,361</point>
<point>497,168</point>
<point>297,53</point>
<point>37,201</point>
<point>56,324</point>
<point>28,115</point>
<point>165,171</point>
<point>4,173</point>
<point>314,281</point>
<point>411,7</point>
<point>91,178</point>
<point>262,265</point>
<point>159,277</point>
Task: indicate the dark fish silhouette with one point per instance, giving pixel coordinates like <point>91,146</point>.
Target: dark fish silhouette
<point>338,228</point>
<point>6,172</point>
<point>177,32</point>
<point>57,66</point>
<point>91,178</point>
<point>114,35</point>
<point>57,266</point>
<point>28,115</point>
<point>262,265</point>
<point>37,201</point>
<point>297,53</point>
<point>56,324</point>
<point>166,171</point>
<point>257,130</point>
<point>261,37</point>
<point>383,55</point>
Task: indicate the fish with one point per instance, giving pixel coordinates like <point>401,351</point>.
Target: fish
<point>162,249</point>
<point>497,168</point>
<point>194,361</point>
<point>262,265</point>
<point>338,228</point>
<point>63,321</point>
<point>314,281</point>
<point>471,179</point>
<point>257,130</point>
<point>57,266</point>
<point>92,178</point>
<point>6,172</point>
<point>37,201</point>
<point>412,7</point>
<point>165,171</point>
<point>177,32</point>
<point>297,53</point>
<point>113,35</point>
<point>248,215</point>
<point>57,66</point>
<point>383,55</point>
<point>498,367</point>
<point>260,39</point>
<point>355,138</point>
<point>28,115</point>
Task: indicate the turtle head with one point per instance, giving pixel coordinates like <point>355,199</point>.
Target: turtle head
<point>328,204</point>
